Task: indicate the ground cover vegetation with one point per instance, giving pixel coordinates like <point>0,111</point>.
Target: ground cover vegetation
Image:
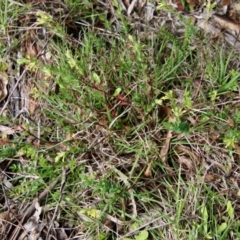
<point>116,124</point>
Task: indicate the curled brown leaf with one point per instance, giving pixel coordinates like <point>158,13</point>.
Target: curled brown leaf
<point>227,24</point>
<point>210,177</point>
<point>165,147</point>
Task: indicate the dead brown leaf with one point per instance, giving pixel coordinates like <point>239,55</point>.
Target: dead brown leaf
<point>190,153</point>
<point>4,141</point>
<point>192,2</point>
<point>5,220</point>
<point>179,5</point>
<point>148,172</point>
<point>233,16</point>
<point>225,2</point>
<point>230,122</point>
<point>227,24</point>
<point>213,136</point>
<point>164,112</point>
<point>4,130</point>
<point>187,162</point>
<point>126,3</point>
<point>210,177</point>
<point>165,147</point>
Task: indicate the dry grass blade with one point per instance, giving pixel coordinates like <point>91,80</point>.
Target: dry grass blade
<point>210,177</point>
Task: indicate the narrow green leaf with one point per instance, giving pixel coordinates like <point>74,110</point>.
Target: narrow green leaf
<point>230,210</point>
<point>221,228</point>
<point>142,235</point>
<point>117,91</point>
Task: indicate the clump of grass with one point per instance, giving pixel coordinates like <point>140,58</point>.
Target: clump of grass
<point>112,103</point>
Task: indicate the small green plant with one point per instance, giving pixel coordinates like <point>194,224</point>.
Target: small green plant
<point>220,230</point>
<point>110,104</point>
<point>231,137</point>
<point>176,123</point>
<point>209,7</point>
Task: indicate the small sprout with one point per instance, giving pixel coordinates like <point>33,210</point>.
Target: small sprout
<point>60,156</point>
<point>143,235</point>
<point>187,99</point>
<point>213,95</point>
<point>96,78</point>
<point>117,91</point>
<point>221,228</point>
<point>159,101</point>
<point>72,62</point>
<point>168,95</point>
